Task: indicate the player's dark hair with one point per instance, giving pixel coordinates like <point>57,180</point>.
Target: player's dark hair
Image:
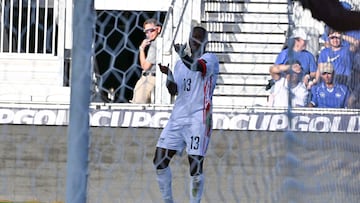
<point>202,30</point>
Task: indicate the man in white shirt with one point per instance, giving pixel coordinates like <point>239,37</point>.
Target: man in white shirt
<point>285,76</point>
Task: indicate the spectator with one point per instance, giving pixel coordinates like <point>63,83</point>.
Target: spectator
<point>285,76</point>
<point>147,57</point>
<point>340,56</point>
<point>349,38</point>
<point>190,124</point>
<point>328,94</point>
<point>297,52</point>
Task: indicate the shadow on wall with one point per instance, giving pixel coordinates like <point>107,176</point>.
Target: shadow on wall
<point>116,68</point>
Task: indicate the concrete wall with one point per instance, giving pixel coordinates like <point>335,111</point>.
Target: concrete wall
<point>241,166</point>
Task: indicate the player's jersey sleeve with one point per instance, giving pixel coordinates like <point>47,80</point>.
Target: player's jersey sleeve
<point>212,64</point>
<point>212,70</point>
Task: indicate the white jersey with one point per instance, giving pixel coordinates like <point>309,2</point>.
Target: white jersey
<point>195,90</point>
<point>300,95</point>
<point>279,94</point>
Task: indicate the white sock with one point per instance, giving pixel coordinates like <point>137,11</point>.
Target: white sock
<point>196,188</point>
<point>164,180</point>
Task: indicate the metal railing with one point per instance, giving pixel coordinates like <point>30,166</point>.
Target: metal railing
<point>179,19</point>
<point>31,26</point>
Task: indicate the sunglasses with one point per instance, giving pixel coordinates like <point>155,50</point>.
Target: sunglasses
<point>325,73</point>
<point>149,30</point>
<point>334,37</point>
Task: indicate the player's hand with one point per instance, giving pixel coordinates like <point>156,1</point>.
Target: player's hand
<point>180,49</point>
<point>164,69</point>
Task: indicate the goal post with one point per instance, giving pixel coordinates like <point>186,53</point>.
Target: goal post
<point>78,131</point>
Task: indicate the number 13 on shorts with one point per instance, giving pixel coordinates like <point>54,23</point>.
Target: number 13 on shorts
<point>197,141</point>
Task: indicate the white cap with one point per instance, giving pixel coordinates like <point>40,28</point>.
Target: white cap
<point>299,33</point>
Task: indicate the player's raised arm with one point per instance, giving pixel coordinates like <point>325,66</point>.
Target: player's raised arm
<point>197,42</point>
<point>190,63</point>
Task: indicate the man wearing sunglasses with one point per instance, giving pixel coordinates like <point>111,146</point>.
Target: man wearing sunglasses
<point>350,38</point>
<point>341,57</point>
<point>147,57</point>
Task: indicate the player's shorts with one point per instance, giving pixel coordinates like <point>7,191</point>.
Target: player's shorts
<point>194,138</point>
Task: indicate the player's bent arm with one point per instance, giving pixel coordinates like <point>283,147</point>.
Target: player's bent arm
<point>172,88</point>
<point>170,84</point>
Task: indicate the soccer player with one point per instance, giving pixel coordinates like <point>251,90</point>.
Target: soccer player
<point>190,124</point>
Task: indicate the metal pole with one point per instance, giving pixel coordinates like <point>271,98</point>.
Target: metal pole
<point>78,131</point>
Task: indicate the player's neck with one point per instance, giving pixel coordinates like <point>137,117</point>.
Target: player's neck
<point>197,54</point>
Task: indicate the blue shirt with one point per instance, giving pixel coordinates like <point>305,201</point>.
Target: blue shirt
<point>340,59</point>
<point>336,97</point>
<point>306,59</point>
<point>352,33</point>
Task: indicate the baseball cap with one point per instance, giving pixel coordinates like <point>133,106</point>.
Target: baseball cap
<point>327,68</point>
<point>299,33</point>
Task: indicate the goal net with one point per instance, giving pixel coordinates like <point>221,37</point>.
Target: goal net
<point>257,153</point>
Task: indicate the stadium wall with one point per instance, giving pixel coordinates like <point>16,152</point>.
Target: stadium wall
<point>156,116</point>
<point>34,167</point>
